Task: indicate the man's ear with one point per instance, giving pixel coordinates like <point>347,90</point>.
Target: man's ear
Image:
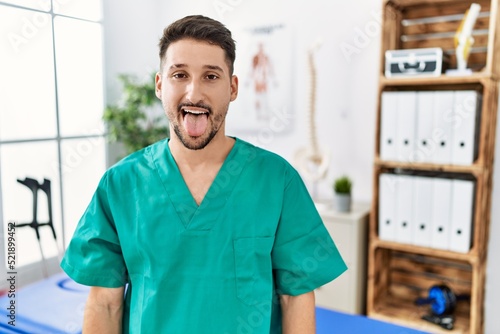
<point>234,87</point>
<point>158,85</point>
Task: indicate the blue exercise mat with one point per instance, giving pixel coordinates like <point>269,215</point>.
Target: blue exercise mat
<point>52,306</point>
<point>333,322</point>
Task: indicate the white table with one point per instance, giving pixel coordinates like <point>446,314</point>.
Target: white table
<point>349,231</point>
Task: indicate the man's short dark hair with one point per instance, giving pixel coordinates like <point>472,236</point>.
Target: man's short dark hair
<point>200,28</point>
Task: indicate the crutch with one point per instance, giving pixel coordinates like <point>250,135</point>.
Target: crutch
<point>33,185</point>
<point>46,188</point>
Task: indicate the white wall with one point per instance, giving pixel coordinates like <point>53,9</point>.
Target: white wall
<point>347,86</point>
<point>131,36</point>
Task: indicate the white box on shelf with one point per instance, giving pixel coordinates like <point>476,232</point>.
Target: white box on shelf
<point>387,207</point>
<point>422,221</point>
<point>404,209</point>
<point>462,215</point>
<point>441,213</point>
<point>443,126</point>
<point>405,130</point>
<point>425,121</point>
<point>465,131</point>
<point>388,125</point>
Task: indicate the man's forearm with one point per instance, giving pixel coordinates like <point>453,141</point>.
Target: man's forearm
<point>102,320</point>
<point>102,317</point>
<point>298,314</point>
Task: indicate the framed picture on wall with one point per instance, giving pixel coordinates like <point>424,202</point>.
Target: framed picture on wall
<point>264,66</point>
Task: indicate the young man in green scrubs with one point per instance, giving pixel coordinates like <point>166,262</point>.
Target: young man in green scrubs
<point>210,234</point>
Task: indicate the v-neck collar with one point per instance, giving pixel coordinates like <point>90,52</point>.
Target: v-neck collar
<point>192,216</point>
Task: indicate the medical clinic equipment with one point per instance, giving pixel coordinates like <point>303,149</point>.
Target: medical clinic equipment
<point>312,161</point>
<point>443,302</point>
<point>464,40</point>
<point>429,62</point>
<point>34,186</point>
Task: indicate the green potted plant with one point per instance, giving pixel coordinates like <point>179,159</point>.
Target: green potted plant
<point>342,187</point>
<point>137,120</point>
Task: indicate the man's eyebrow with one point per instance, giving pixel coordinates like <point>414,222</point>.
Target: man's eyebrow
<point>214,67</point>
<point>178,66</point>
<point>210,67</point>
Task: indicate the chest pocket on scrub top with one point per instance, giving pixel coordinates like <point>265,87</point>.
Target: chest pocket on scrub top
<point>254,277</point>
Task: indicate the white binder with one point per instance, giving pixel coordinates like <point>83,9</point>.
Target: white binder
<point>387,207</point>
<point>441,213</point>
<point>404,209</point>
<point>388,123</point>
<point>462,216</point>
<point>464,128</point>
<point>443,125</point>
<point>426,146</point>
<point>422,221</point>
<point>406,120</point>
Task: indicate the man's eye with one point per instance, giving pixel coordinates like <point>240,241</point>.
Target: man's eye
<point>179,75</point>
<point>212,77</point>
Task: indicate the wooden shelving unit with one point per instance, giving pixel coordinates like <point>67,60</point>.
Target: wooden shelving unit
<point>400,273</point>
<point>474,169</point>
<point>475,78</point>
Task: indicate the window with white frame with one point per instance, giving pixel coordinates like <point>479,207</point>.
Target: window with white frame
<point>51,104</point>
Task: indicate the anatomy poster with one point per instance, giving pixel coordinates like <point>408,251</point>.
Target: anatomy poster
<point>264,56</point>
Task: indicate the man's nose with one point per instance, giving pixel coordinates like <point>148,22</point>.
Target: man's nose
<point>194,91</point>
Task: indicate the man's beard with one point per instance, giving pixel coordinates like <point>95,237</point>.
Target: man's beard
<point>195,145</point>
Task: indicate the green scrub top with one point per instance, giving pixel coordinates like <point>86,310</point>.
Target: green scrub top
<point>214,268</point>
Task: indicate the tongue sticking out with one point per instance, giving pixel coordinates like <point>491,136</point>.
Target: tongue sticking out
<point>195,125</point>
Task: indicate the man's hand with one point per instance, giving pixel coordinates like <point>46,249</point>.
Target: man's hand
<point>103,311</point>
<point>298,313</point>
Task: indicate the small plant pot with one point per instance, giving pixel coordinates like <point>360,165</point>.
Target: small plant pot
<point>342,202</point>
